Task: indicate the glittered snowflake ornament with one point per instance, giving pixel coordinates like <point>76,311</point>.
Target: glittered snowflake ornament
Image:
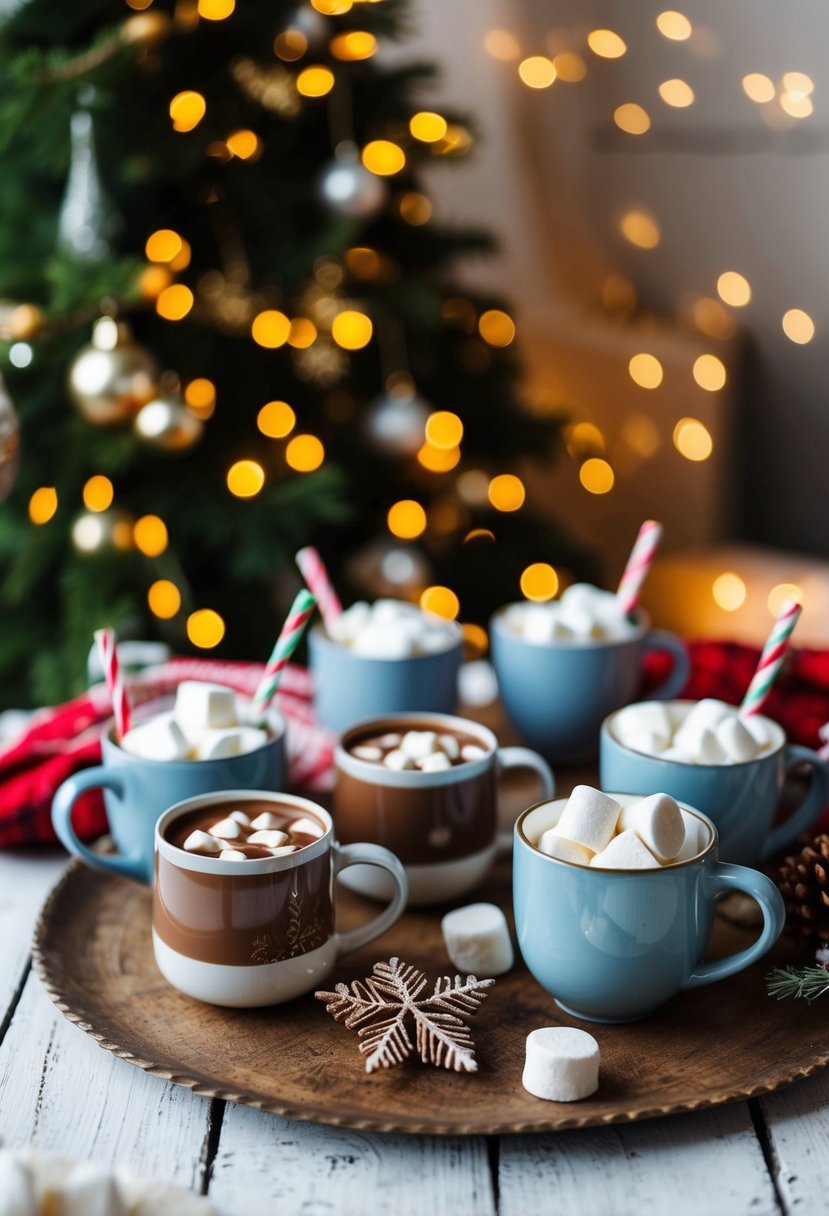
<point>381,1005</point>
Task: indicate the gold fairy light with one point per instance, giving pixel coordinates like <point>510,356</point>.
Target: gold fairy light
<point>245,144</point>
<point>290,45</point>
<point>200,397</point>
<point>315,81</point>
<point>303,333</point>
<point>537,72</point>
<point>506,492</point>
<point>304,453</point>
<point>539,582</point>
<point>677,93</point>
<point>43,504</point>
<point>674,25</point>
<point>640,229</point>
<point>631,118</point>
<point>427,126</point>
<point>164,599</point>
<point>276,419</point>
<point>734,288</point>
<point>758,87</point>
<point>798,84</point>
<point>729,591</point>
<point>383,157</point>
<point>438,460</point>
<point>98,493</point>
<point>205,628</point>
<point>709,372</point>
<point>353,45</point>
<point>406,519</point>
<point>645,370</point>
<point>441,601</point>
<point>150,535</point>
<point>174,302</point>
<point>444,429</point>
<point>163,245</point>
<point>270,329</point>
<point>332,8</point>
<point>570,67</point>
<point>351,330</point>
<point>798,326</point>
<point>414,208</point>
<point>187,109</point>
<point>502,45</point>
<point>796,105</point>
<point>496,327</point>
<point>606,44</point>
<point>245,478</point>
<point>692,439</point>
<point>584,439</point>
<point>782,592</point>
<point>597,476</point>
<point>216,10</point>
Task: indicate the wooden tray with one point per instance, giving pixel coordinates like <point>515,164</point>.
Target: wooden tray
<point>716,1044</point>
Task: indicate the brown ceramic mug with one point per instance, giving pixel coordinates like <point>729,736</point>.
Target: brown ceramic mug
<point>443,825</point>
<point>261,931</point>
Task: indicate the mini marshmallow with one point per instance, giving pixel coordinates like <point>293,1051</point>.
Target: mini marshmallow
<point>309,827</point>
<point>419,743</point>
<point>219,744</point>
<point>398,759</point>
<point>562,1064</point>
<point>657,821</point>
<point>266,822</point>
<point>626,852</point>
<point>704,716</point>
<point>563,849</point>
<point>283,850</point>
<point>582,623</point>
<point>760,729</point>
<point>232,855</point>
<point>87,1191</point>
<point>201,706</point>
<point>392,739</point>
<point>477,940</point>
<point>644,741</point>
<point>17,1195</point>
<point>738,744</point>
<point>677,755</point>
<point>435,763</point>
<point>432,641</point>
<point>382,642</point>
<point>449,746</point>
<point>541,627</point>
<point>273,839</point>
<point>646,719</point>
<point>201,842</point>
<point>589,817</point>
<point>371,754</point>
<point>696,837</point>
<point>471,752</point>
<point>227,829</point>
<point>252,738</point>
<point>708,749</point>
<point>240,817</point>
<point>160,738</point>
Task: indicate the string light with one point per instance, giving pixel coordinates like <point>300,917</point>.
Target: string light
<point>782,592</point>
<point>182,259</point>
<point>537,72</point>
<point>758,87</point>
<point>406,519</point>
<point>502,45</point>
<point>150,535</point>
<point>205,628</point>
<point>444,429</point>
<point>798,84</point>
<point>187,109</point>
<point>216,10</point>
<point>606,44</point>
<point>473,487</point>
<point>798,326</point>
<point>441,601</point>
<point>98,493</point>
<point>438,460</point>
<point>583,439</point>
<point>645,370</point>
<point>139,5</point>
<point>174,302</point>
<point>641,229</point>
<point>427,126</point>
<point>163,245</point>
<point>709,372</point>
<point>245,144</point>
<point>353,45</point>
<point>631,118</point>
<point>270,329</point>
<point>476,639</point>
<point>506,492</point>
<point>482,534</point>
<point>20,354</point>
<point>569,67</point>
<point>383,157</point>
<point>795,105</point>
<point>692,439</point>
<point>164,599</point>
<point>303,333</point>
<point>200,397</point>
<point>676,93</point>
<point>43,504</point>
<point>674,25</point>
<point>153,280</point>
<point>729,591</point>
<point>276,419</point>
<point>539,582</point>
<point>304,453</point>
<point>414,208</point>
<point>734,288</point>
<point>597,476</point>
<point>290,45</point>
<point>351,330</point>
<point>315,81</point>
<point>332,8</point>
<point>710,318</point>
<point>497,328</point>
<point>245,478</point>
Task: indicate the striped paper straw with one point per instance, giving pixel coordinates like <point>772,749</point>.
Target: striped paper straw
<point>638,564</point>
<point>771,660</point>
<point>105,640</point>
<point>287,642</point>
<point>316,576</point>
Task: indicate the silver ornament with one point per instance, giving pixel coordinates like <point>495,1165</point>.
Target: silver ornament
<point>112,377</point>
<point>95,531</point>
<point>85,223</point>
<point>347,188</point>
<point>395,423</point>
<point>9,442</point>
<point>166,423</point>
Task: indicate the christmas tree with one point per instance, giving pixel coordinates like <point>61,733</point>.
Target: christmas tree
<point>230,328</point>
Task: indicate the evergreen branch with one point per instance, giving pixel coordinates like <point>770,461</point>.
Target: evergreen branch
<point>806,982</point>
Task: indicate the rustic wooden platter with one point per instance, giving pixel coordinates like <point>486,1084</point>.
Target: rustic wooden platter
<point>717,1044</point>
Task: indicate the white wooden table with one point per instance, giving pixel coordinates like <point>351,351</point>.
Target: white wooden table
<point>61,1092</point>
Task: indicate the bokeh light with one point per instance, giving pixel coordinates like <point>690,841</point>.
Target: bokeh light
<point>506,492</point>
<point>43,504</point>
<point>539,582</point>
<point>353,45</point>
<point>205,628</point>
<point>304,453</point>
<point>677,93</point>
<point>476,639</point>
<point>606,44</point>
<point>351,330</point>
<point>640,228</point>
<point>200,397</point>
<point>438,460</point>
<point>782,592</point>
<point>444,429</point>
<point>645,370</point>
<point>758,87</point>
<point>795,105</point>
<point>414,208</point>
<point>163,245</point>
<point>502,45</point>
<point>537,72</point>
<point>597,476</point>
<point>734,288</point>
<point>383,157</point>
<point>674,25</point>
<point>798,84</point>
<point>497,328</point>
<point>709,372</point>
<point>692,439</point>
<point>631,118</point>
<point>569,67</point>
<point>216,10</point>
<point>332,8</point>
<point>270,329</point>
<point>174,302</point>
<point>290,45</point>
<point>427,126</point>
<point>303,333</point>
<point>98,493</point>
<point>276,419</point>
<point>164,599</point>
<point>442,601</point>
<point>150,535</point>
<point>729,591</point>
<point>798,326</point>
<point>244,144</point>
<point>315,81</point>
<point>187,109</point>
<point>406,519</point>
<point>245,478</point>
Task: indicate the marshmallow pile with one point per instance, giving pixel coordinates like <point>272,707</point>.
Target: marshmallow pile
<point>643,834</point>
<point>393,629</point>
<point>477,940</point>
<point>710,732</point>
<point>421,749</point>
<point>203,725</point>
<point>228,838</point>
<point>562,1064</point>
<point>584,613</point>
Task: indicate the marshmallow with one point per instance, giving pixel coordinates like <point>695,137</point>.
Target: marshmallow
<point>232,855</point>
<point>449,746</point>
<point>696,837</point>
<point>201,706</point>
<point>541,627</point>
<point>392,739</point>
<point>227,829</point>
<point>308,826</point>
<point>372,754</point>
<point>382,642</point>
<point>589,818</point>
<point>677,755</point>
<point>432,641</point>
<point>419,743</point>
<point>266,822</point>
<point>582,623</point>
<point>201,842</point>
<point>471,752</point>
<point>253,737</point>
<point>761,730</point>
<point>555,845</point>
<point>648,718</point>
<point>477,940</point>
<point>704,716</point>
<point>240,817</point>
<point>657,821</point>
<point>160,738</point>
<point>398,759</point>
<point>87,1191</point>
<point>283,850</point>
<point>625,852</point>
<point>708,749</point>
<point>738,744</point>
<point>435,763</point>
<point>562,1064</point>
<point>270,837</point>
<point>219,744</point>
<point>17,1195</point>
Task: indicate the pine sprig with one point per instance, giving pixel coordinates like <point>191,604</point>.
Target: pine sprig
<point>807,983</point>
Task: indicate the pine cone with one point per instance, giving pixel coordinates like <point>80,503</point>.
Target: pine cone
<point>804,885</point>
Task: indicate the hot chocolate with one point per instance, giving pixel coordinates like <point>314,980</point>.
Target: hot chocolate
<point>230,833</point>
<point>419,747</point>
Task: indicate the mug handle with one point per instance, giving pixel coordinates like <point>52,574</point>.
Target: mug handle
<point>811,806</point>
<point>677,678</point>
<point>67,794</point>
<point>523,757</point>
<point>372,855</point>
<point>727,877</point>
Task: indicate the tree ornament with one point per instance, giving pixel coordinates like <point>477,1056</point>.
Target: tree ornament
<point>112,377</point>
<point>9,442</point>
<point>85,222</point>
<point>166,423</point>
<point>348,189</point>
<point>96,531</point>
<point>382,1005</point>
<point>388,568</point>
<point>19,322</point>
<point>804,885</point>
<point>395,422</point>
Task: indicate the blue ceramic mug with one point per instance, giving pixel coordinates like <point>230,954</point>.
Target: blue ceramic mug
<point>741,799</point>
<point>558,694</point>
<point>351,687</point>
<point>614,945</point>
<point>138,791</point>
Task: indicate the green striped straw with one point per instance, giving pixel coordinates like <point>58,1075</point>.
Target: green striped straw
<point>287,642</point>
<point>771,660</point>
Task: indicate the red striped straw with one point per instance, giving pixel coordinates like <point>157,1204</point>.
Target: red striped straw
<point>771,659</point>
<point>105,639</point>
<point>316,576</point>
<point>287,642</point>
<point>638,564</point>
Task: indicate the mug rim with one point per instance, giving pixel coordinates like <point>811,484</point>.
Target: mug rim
<point>641,630</point>
<point>251,867</point>
<point>713,840</point>
<point>276,719</point>
<point>690,764</point>
<point>377,774</point>
<point>318,633</point>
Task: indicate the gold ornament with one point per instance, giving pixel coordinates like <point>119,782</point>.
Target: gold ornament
<point>96,531</point>
<point>112,377</point>
<point>166,423</point>
<point>19,322</point>
<point>9,442</point>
